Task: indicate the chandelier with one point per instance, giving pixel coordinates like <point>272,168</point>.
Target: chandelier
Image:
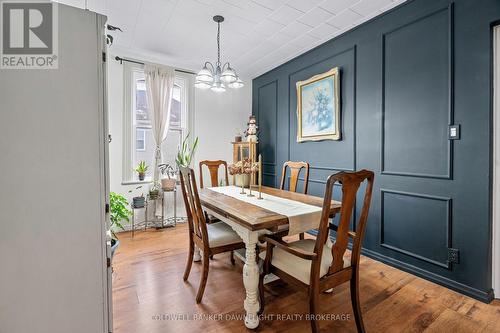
<point>215,77</point>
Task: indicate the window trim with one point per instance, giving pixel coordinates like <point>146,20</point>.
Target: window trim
<point>184,80</point>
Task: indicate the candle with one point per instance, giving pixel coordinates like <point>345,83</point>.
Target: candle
<point>250,158</point>
<point>241,153</point>
<point>242,171</point>
<point>260,173</point>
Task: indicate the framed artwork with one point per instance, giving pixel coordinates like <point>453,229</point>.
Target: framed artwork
<point>318,107</point>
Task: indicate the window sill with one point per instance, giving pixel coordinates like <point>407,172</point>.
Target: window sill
<point>137,182</point>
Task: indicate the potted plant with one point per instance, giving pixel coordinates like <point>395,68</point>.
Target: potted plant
<point>118,212</point>
<point>153,193</point>
<point>141,170</point>
<point>138,201</point>
<point>167,184</point>
<point>185,153</point>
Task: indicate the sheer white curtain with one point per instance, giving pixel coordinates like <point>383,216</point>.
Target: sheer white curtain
<point>159,88</point>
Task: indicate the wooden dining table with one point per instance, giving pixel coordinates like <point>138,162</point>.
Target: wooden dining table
<point>249,221</point>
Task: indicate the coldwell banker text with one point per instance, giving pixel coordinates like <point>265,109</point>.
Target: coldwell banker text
<point>29,35</point>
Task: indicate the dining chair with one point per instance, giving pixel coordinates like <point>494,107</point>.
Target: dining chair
<point>319,265</point>
<point>210,238</point>
<point>295,168</point>
<point>213,168</point>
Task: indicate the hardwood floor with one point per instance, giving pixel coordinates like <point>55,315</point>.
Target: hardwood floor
<point>148,291</point>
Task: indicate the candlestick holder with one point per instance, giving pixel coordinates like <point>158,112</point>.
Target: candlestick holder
<point>250,187</point>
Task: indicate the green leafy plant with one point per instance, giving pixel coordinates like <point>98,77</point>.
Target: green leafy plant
<point>118,211</point>
<point>141,167</point>
<point>185,154</point>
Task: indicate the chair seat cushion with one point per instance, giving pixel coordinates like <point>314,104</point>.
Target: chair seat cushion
<point>220,234</point>
<point>298,267</point>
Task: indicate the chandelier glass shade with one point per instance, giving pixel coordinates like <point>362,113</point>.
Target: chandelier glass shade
<point>216,77</point>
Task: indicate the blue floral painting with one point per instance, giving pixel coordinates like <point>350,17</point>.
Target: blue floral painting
<point>318,108</point>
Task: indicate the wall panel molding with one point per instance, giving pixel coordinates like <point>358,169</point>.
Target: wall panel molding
<point>451,86</point>
<point>275,82</point>
<point>448,223</point>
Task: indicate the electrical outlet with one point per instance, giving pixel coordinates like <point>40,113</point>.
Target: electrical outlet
<point>453,256</point>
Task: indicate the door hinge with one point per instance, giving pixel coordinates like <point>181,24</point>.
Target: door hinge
<point>453,256</point>
<point>108,262</point>
<point>104,57</point>
<point>107,208</point>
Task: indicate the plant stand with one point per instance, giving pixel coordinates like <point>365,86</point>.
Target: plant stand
<point>162,222</point>
<point>171,221</point>
<point>144,222</point>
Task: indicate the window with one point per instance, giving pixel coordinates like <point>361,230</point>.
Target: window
<point>138,134</point>
<point>140,139</point>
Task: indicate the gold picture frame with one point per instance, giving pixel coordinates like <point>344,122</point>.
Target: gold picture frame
<point>318,107</point>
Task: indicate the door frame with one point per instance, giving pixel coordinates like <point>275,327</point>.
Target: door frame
<point>496,164</point>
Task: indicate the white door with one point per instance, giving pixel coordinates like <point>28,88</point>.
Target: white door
<point>53,275</point>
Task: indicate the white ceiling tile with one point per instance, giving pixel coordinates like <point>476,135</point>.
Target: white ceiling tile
<point>336,6</point>
<point>254,12</point>
<point>345,19</point>
<point>147,30</point>
<point>302,5</point>
<point>206,2</point>
<point>304,40</point>
<point>324,31</point>
<point>315,17</point>
<point>268,27</point>
<point>366,7</point>
<point>271,4</point>
<point>280,38</point>
<point>285,14</point>
<point>296,28</point>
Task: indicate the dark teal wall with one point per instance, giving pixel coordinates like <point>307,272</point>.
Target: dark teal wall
<point>405,76</point>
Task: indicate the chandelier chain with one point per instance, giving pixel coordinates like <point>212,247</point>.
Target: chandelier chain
<point>218,42</point>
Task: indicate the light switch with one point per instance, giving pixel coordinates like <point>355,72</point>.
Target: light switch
<point>454,132</point>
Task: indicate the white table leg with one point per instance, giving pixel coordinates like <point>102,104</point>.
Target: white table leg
<point>250,271</point>
<point>250,275</point>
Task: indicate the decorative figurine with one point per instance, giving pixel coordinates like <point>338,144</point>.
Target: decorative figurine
<point>251,131</point>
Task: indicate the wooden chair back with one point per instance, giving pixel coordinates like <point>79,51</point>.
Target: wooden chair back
<point>194,211</point>
<point>351,181</point>
<point>295,168</point>
<point>213,168</point>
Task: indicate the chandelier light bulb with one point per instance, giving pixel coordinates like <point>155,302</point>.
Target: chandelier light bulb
<point>218,87</point>
<point>202,85</point>
<point>236,84</point>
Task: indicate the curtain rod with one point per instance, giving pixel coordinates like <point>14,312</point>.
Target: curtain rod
<point>121,60</point>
